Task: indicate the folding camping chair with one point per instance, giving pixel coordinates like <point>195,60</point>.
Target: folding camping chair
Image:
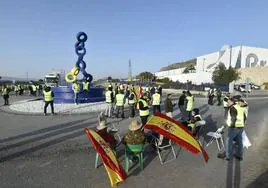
<point>218,136</point>
<point>163,145</point>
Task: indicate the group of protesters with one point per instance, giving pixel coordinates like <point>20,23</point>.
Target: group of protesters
<point>235,114</point>
<point>142,104</point>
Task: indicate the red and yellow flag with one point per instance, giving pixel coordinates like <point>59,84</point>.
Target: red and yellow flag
<point>175,131</point>
<point>114,169</point>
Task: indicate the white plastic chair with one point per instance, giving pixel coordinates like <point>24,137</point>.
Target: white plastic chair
<point>163,144</point>
<point>218,137</point>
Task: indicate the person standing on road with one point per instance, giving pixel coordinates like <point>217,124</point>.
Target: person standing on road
<point>169,106</point>
<point>143,107</point>
<point>132,100</point>
<point>156,101</point>
<point>189,104</point>
<point>181,102</point>
<point>49,99</point>
<point>76,90</point>
<point>160,90</point>
<point>210,96</point>
<point>34,89</point>
<point>119,102</point>
<point>16,89</point>
<point>109,98</point>
<point>219,94</point>
<point>5,93</point>
<point>236,119</point>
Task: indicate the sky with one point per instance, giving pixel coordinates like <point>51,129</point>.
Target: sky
<point>38,36</point>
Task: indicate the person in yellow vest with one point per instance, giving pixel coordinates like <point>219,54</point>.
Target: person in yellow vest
<point>119,102</point>
<point>34,89</point>
<point>225,105</point>
<point>196,122</point>
<point>49,99</point>
<point>16,89</point>
<point>236,119</point>
<point>109,98</point>
<point>143,107</point>
<point>85,85</point>
<point>132,100</point>
<point>76,90</point>
<point>190,103</point>
<point>5,93</point>
<point>156,101</point>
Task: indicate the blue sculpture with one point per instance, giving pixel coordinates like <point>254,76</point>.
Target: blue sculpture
<point>65,94</point>
<point>80,65</point>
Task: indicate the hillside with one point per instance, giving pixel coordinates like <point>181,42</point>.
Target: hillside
<point>179,65</point>
<point>257,75</point>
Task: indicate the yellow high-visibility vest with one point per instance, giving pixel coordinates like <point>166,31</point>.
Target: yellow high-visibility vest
<point>85,86</point>
<point>240,119</point>
<point>120,99</point>
<point>34,87</point>
<point>190,103</point>
<point>156,99</point>
<point>144,112</point>
<point>108,97</point>
<point>76,87</point>
<point>132,101</point>
<point>48,96</point>
<point>5,91</point>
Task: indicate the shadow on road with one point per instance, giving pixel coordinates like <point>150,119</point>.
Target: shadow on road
<point>40,131</point>
<point>261,181</point>
<point>72,132</point>
<point>233,177</point>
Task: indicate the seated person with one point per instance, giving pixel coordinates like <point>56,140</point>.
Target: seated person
<point>107,136</point>
<point>196,122</point>
<point>135,135</point>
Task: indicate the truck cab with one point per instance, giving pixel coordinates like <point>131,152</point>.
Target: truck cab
<point>52,79</point>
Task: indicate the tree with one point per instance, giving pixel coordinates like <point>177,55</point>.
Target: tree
<point>189,69</point>
<point>222,75</point>
<point>146,76</point>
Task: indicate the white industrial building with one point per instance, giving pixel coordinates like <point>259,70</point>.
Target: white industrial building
<point>237,57</point>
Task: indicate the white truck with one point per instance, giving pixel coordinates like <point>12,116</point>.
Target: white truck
<point>53,79</point>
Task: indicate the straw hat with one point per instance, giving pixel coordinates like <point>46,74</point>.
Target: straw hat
<point>134,125</point>
<point>102,125</point>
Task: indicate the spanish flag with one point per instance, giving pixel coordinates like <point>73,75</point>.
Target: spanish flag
<point>175,131</point>
<point>114,169</point>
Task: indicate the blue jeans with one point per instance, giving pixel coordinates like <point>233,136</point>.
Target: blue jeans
<point>234,134</point>
<point>76,97</point>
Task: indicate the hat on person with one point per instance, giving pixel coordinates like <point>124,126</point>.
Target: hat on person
<point>134,125</point>
<point>102,125</point>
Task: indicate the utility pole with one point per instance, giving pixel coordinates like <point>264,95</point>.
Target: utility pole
<point>129,71</point>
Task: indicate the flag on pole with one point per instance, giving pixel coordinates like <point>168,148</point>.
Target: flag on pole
<point>175,131</point>
<point>114,169</point>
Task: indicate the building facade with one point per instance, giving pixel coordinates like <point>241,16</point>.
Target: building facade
<point>238,57</point>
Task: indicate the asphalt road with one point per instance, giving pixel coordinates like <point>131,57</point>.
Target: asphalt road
<point>53,151</point>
